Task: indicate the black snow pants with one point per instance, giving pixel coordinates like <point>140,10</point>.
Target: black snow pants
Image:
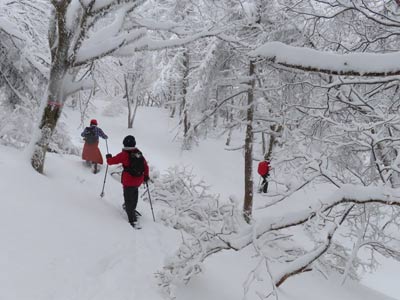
<point>264,184</point>
<point>131,195</point>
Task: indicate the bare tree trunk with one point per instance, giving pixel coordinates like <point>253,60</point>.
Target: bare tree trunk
<point>263,146</point>
<point>135,107</point>
<point>128,101</point>
<point>49,120</point>
<point>59,36</point>
<point>229,138</point>
<point>173,101</point>
<point>216,115</point>
<point>248,149</point>
<point>272,140</point>
<point>186,123</point>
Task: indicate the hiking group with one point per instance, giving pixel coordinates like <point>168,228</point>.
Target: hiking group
<point>135,168</point>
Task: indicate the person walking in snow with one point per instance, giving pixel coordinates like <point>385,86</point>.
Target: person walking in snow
<point>136,171</point>
<point>91,152</point>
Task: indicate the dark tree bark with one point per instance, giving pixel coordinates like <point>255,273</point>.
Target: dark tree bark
<point>185,84</point>
<point>248,148</point>
<point>59,35</point>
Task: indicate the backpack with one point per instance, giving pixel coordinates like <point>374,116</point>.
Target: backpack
<point>136,163</point>
<point>263,168</point>
<point>90,136</point>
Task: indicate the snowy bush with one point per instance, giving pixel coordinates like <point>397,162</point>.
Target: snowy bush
<point>16,128</point>
<point>188,206</point>
<point>16,125</point>
<point>324,237</point>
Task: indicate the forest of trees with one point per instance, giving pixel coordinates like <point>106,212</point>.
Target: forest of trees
<point>328,115</point>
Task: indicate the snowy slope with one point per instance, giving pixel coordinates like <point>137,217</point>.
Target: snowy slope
<point>60,240</point>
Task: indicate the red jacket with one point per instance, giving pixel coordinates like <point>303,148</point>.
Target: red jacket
<point>126,178</point>
<point>263,168</point>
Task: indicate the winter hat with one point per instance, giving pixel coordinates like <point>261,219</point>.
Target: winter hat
<point>129,141</point>
<point>93,122</point>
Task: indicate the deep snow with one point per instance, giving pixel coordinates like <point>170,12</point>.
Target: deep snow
<point>60,240</point>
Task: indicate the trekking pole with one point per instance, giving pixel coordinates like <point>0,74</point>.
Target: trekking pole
<point>105,175</point>
<point>151,205</point>
<point>104,183</point>
<point>107,146</point>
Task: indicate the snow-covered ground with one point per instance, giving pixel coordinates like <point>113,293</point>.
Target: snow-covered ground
<point>60,240</point>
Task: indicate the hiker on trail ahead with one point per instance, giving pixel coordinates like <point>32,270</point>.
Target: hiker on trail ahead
<point>136,171</point>
<point>263,170</point>
<point>91,152</point>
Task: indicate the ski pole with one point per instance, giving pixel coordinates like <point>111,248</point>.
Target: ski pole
<point>151,205</point>
<point>107,146</point>
<point>105,175</point>
<point>104,183</point>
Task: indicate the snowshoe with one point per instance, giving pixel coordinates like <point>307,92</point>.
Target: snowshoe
<point>136,225</point>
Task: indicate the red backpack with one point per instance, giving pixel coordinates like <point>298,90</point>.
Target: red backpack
<point>263,168</point>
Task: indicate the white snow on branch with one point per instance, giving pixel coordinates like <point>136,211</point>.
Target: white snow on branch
<point>10,28</point>
<point>364,64</point>
<point>99,3</point>
<point>72,13</point>
<point>158,25</point>
<point>346,194</point>
<point>300,264</point>
<point>96,48</point>
<point>73,87</point>
<point>151,44</point>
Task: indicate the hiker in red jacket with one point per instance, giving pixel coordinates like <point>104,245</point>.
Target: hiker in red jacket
<point>263,170</point>
<point>136,171</point>
<point>91,152</point>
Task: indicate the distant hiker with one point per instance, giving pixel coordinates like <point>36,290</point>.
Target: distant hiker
<point>263,170</point>
<point>91,152</point>
<point>136,171</point>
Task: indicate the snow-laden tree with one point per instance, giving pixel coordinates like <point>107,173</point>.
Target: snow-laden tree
<point>337,132</point>
<point>250,24</point>
<point>22,68</point>
<point>22,64</point>
<point>80,32</point>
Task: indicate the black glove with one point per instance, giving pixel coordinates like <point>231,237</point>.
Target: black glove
<point>146,178</point>
<point>108,155</point>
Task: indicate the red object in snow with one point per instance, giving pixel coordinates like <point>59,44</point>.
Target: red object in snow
<point>93,122</point>
<point>263,168</point>
<point>91,152</point>
<point>127,179</point>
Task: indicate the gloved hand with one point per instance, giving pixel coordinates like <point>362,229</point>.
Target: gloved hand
<point>108,155</point>
<point>146,178</point>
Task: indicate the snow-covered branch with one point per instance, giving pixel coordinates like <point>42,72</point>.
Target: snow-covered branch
<point>310,60</point>
<point>74,87</point>
<point>346,194</point>
<point>302,263</point>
